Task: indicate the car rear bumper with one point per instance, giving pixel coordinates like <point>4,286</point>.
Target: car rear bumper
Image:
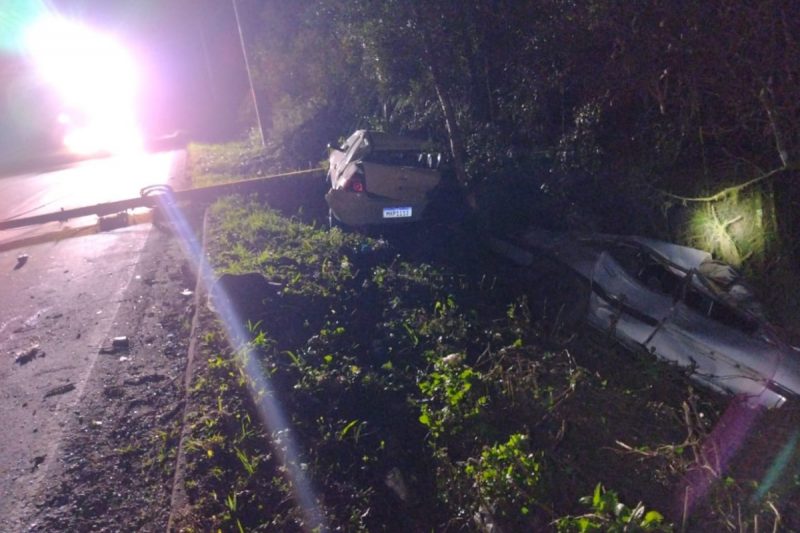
<point>360,209</point>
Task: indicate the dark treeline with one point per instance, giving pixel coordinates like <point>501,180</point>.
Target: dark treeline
<point>600,106</point>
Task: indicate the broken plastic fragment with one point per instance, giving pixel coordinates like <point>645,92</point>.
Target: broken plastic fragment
<point>121,343</point>
<point>453,359</point>
<point>117,344</point>
<point>112,222</point>
<point>29,355</point>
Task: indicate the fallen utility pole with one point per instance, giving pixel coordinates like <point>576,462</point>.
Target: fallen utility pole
<point>151,196</point>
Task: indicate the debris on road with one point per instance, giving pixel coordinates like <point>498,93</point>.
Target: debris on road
<point>118,344</point>
<point>61,389</point>
<point>21,260</point>
<point>29,355</point>
<point>142,380</point>
<point>113,392</point>
<point>112,222</point>
<point>39,459</point>
<point>121,343</point>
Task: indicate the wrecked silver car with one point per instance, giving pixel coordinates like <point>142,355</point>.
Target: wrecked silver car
<point>677,303</point>
<point>377,178</point>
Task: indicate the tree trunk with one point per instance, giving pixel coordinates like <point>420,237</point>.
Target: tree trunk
<point>454,134</point>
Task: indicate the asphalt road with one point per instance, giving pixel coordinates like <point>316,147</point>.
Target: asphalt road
<point>58,306</point>
<point>82,184</point>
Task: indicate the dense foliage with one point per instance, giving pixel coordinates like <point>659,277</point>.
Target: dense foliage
<point>590,99</point>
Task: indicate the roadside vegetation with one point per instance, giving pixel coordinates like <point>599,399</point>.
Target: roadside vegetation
<point>428,386</point>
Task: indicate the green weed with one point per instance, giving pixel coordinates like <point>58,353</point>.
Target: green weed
<point>609,514</point>
<point>508,476</point>
<point>451,395</point>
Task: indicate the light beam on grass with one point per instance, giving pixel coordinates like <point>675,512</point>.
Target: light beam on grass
<point>264,396</point>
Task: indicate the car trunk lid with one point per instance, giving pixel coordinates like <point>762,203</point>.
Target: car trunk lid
<point>400,183</point>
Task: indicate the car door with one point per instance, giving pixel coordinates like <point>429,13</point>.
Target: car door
<point>622,304</point>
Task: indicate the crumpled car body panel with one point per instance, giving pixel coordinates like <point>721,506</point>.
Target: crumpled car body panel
<point>678,304</point>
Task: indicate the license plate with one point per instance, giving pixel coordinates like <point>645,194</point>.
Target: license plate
<point>396,212</point>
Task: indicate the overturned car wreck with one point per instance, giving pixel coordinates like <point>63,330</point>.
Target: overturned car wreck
<point>377,178</point>
<point>677,303</point>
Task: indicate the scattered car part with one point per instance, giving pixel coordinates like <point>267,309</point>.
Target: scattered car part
<point>29,355</point>
<point>21,260</point>
<point>121,343</point>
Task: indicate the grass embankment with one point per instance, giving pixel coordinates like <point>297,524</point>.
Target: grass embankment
<point>423,393</point>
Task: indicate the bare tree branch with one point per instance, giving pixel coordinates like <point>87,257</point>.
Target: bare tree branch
<point>769,108</point>
<point>730,190</point>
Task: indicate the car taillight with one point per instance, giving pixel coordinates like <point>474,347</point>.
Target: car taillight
<point>356,183</point>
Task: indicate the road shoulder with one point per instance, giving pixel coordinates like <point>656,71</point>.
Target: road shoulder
<point>116,462</point>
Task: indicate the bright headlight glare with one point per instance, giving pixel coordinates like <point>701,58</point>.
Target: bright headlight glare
<point>94,76</point>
